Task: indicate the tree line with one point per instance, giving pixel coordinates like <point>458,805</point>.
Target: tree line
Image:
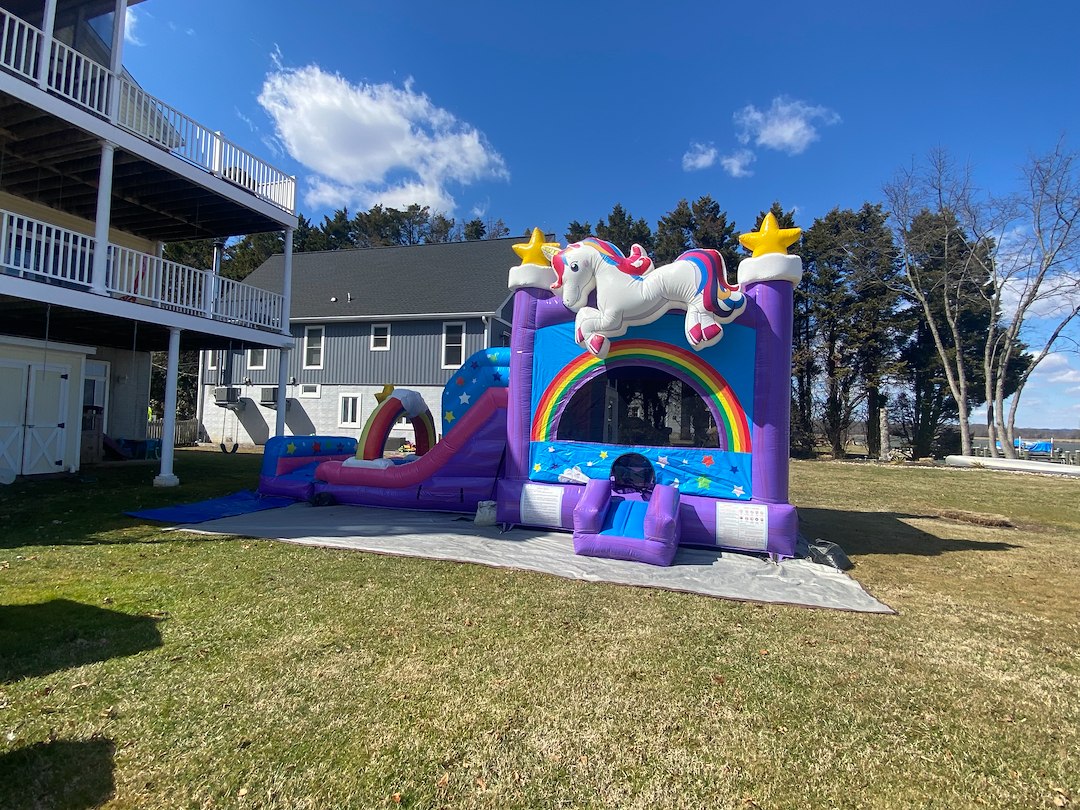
<point>913,311</point>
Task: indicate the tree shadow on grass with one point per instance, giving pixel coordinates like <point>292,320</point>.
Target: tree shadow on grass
<point>51,636</point>
<point>884,533</point>
<point>60,774</point>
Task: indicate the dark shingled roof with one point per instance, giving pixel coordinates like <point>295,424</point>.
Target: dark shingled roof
<point>450,278</point>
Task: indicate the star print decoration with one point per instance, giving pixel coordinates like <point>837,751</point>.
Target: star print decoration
<point>468,388</point>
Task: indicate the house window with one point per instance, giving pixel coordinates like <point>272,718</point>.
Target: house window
<point>350,410</point>
<point>310,391</point>
<point>453,344</point>
<point>256,359</point>
<point>313,347</point>
<point>212,360</point>
<point>505,339</point>
<point>380,337</point>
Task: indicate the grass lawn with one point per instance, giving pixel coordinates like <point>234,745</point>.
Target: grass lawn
<point>150,669</point>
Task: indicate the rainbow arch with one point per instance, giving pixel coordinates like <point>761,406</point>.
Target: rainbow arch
<point>730,417</point>
<point>377,429</point>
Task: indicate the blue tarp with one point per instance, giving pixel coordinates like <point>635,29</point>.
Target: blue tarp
<point>1045,446</point>
<point>239,503</point>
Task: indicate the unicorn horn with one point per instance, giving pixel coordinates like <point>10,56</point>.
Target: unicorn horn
<point>549,250</point>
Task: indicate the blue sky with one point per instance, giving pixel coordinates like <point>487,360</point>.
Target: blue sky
<point>541,115</point>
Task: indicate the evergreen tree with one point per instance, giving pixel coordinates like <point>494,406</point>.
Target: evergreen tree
<point>337,231</point>
<point>674,233</point>
<point>475,229</point>
<point>622,230</point>
<point>698,225</point>
<point>245,255</point>
<point>577,231</point>
<point>306,237</point>
<point>848,312</point>
<point>711,229</point>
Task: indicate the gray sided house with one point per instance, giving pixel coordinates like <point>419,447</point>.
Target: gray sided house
<point>362,319</point>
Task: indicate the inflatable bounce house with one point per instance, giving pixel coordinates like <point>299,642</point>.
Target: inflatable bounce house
<point>637,407</point>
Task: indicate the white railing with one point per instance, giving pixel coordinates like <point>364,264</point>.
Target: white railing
<point>84,82</point>
<point>153,119</point>
<point>44,252</point>
<point>239,166</point>
<point>80,80</point>
<point>37,249</point>
<point>20,43</point>
<point>145,278</point>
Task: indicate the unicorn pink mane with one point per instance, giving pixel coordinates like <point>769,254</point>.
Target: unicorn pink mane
<point>636,264</point>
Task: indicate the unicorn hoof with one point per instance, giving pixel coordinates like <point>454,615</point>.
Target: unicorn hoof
<point>580,338</point>
<point>596,344</point>
<point>695,334</point>
<point>712,331</point>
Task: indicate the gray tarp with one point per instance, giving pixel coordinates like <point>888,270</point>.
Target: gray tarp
<point>439,536</point>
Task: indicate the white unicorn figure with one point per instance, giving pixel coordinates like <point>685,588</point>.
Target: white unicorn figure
<point>629,293</point>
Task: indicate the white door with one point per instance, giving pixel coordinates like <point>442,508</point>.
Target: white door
<point>46,410</point>
<point>12,410</point>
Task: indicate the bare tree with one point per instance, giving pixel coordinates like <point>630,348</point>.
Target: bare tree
<point>935,263</point>
<point>1033,272</point>
<point>1018,253</point>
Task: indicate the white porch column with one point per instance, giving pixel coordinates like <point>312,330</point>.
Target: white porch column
<point>165,477</point>
<point>103,217</point>
<point>48,24</point>
<point>282,391</point>
<point>283,355</point>
<point>116,62</point>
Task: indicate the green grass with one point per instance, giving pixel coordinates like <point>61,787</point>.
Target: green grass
<point>150,669</point>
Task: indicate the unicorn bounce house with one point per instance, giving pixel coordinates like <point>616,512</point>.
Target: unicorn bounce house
<point>558,431</point>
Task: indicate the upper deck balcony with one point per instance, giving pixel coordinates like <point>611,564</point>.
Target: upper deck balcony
<point>67,74</point>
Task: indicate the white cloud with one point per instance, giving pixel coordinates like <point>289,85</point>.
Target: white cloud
<point>698,156</point>
<point>1053,363</point>
<point>737,164</point>
<point>789,125</point>
<point>1068,376</point>
<point>131,23</point>
<point>373,143</point>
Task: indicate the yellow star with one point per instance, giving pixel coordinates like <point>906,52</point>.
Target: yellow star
<point>449,416</point>
<point>290,448</point>
<point>387,390</point>
<point>532,252</point>
<point>536,468</point>
<point>603,454</point>
<point>771,238</point>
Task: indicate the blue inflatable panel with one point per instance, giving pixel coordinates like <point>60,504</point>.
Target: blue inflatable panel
<point>239,503</point>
